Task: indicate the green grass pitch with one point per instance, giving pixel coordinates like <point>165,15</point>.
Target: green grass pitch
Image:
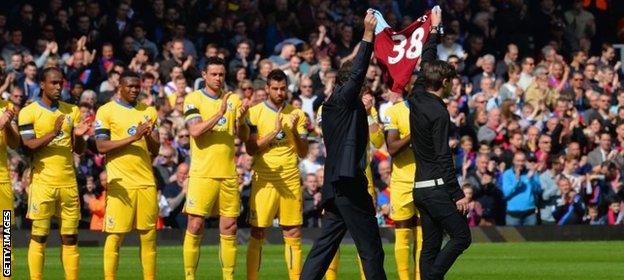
<point>508,261</point>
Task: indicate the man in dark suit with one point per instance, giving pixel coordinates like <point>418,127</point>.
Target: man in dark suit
<point>346,202</point>
<point>437,194</point>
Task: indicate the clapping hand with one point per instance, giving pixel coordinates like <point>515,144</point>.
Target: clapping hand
<point>6,118</point>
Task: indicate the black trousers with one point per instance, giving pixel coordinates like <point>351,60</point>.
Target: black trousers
<point>438,214</point>
<point>352,209</point>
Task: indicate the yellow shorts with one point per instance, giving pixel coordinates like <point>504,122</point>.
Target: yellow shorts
<point>130,208</point>
<point>401,201</point>
<point>205,195</point>
<point>276,198</point>
<point>6,196</point>
<point>46,201</point>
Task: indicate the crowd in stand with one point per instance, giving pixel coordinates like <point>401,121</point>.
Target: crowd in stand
<point>537,107</point>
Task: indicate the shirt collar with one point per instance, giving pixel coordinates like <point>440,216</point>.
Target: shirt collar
<point>127,105</point>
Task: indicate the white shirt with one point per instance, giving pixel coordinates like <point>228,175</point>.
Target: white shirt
<point>307,105</point>
<point>444,52</point>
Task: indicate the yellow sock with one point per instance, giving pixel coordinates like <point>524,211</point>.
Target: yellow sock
<point>111,255</point>
<point>227,255</point>
<point>191,249</point>
<point>148,253</point>
<point>402,251</point>
<point>254,256</point>
<point>292,255</point>
<point>359,261</point>
<point>418,241</point>
<point>332,271</point>
<point>71,259</point>
<point>36,258</point>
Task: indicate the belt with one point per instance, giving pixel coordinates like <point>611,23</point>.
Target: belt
<point>429,183</point>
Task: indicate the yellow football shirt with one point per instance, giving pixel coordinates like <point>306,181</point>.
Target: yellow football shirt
<point>403,164</point>
<point>280,159</point>
<point>4,170</point>
<point>128,167</point>
<point>53,165</point>
<point>212,153</point>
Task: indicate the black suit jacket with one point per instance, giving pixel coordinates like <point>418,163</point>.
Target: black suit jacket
<point>345,127</point>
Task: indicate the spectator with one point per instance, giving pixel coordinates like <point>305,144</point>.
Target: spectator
<point>593,216</point>
<point>520,185</point>
<point>581,22</point>
<point>569,208</point>
<point>294,74</point>
<point>165,166</point>
<point>492,130</point>
<point>243,59</point>
<point>550,189</point>
<point>602,152</point>
<point>449,47</point>
<point>510,58</point>
<point>311,201</point>
<point>281,60</point>
<point>28,82</point>
<point>526,76</point>
<point>96,202</point>
<point>111,84</point>
<point>140,41</point>
<point>307,96</point>
<point>511,89</point>
<point>474,207</point>
<point>311,163</point>
<point>175,194</point>
<point>615,215</point>
<point>486,63</point>
<point>178,58</point>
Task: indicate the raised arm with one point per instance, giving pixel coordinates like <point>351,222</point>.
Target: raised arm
<point>351,88</point>
<point>430,50</point>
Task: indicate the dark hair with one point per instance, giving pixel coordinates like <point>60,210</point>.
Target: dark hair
<point>344,73</point>
<point>147,76</point>
<point>129,74</point>
<point>31,63</point>
<point>76,83</point>
<point>49,70</point>
<point>435,72</point>
<point>214,61</point>
<point>160,102</point>
<point>277,75</point>
<point>85,105</point>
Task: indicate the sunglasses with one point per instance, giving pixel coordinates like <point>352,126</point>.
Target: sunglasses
<point>183,136</point>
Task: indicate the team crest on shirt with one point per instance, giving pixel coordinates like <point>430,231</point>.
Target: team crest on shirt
<point>110,222</point>
<point>222,121</point>
<point>280,135</point>
<point>98,124</point>
<point>230,106</point>
<point>34,208</point>
<point>132,130</point>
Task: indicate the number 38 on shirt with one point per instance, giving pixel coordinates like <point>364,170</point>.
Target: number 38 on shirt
<point>410,48</point>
